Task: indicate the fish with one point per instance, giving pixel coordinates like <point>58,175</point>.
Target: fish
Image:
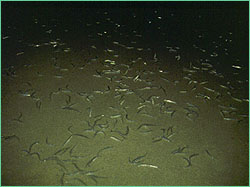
<point>169,101</point>
<point>116,139</point>
<point>148,165</point>
<point>137,159</point>
<point>70,108</point>
<point>236,67</point>
<point>91,160</point>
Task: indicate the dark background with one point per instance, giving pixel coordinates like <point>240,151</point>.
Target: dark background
<point>182,28</point>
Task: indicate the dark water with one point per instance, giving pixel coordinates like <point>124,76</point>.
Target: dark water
<point>181,23</point>
<point>195,55</point>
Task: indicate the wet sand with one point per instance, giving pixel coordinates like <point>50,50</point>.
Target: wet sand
<point>92,116</point>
